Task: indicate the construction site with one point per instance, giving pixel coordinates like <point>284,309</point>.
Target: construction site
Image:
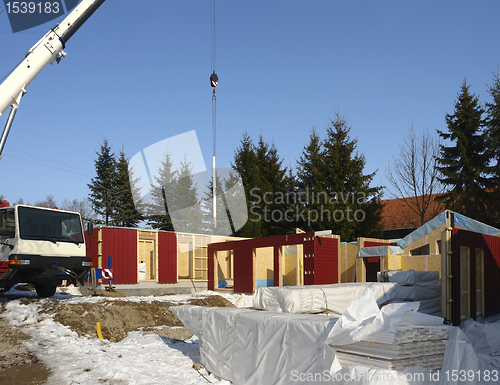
<point>103,304</point>
<point>374,304</point>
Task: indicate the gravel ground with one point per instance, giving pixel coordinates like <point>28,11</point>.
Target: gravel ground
<point>18,366</point>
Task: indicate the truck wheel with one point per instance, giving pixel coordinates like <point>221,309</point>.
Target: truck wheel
<point>46,290</point>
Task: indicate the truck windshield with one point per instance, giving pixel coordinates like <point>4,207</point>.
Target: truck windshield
<point>41,224</point>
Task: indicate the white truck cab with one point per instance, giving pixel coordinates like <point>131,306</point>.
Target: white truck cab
<point>41,246</point>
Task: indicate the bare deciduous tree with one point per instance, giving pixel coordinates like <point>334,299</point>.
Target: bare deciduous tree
<point>413,176</point>
<point>83,207</point>
<point>49,202</point>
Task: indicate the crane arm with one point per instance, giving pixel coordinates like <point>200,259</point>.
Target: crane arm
<point>48,49</point>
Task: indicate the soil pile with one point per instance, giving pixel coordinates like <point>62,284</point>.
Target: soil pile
<point>119,317</point>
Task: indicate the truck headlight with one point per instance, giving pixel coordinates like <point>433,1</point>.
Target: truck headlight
<point>19,262</point>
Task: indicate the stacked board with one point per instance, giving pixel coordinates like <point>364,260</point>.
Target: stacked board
<point>410,345</point>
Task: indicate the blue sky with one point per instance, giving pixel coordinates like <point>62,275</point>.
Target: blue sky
<point>138,72</point>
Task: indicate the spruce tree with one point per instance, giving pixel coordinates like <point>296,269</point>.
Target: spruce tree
<point>158,216</point>
<point>463,164</point>
<point>310,183</point>
<point>230,209</point>
<point>493,140</point>
<point>350,207</point>
<point>273,183</point>
<point>102,187</point>
<point>245,164</point>
<point>126,213</point>
<point>235,199</point>
<point>187,214</point>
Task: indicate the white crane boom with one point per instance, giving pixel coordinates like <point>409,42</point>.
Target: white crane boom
<point>48,49</point>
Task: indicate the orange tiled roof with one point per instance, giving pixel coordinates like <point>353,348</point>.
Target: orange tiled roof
<point>398,214</point>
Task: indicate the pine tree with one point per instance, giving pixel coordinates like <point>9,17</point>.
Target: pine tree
<point>463,165</point>
<point>350,208</point>
<point>126,213</point>
<point>493,137</point>
<point>158,216</point>
<point>102,187</point>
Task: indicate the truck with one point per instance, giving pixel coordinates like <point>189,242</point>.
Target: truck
<point>41,246</point>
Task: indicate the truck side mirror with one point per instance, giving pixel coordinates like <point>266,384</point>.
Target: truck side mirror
<point>90,228</point>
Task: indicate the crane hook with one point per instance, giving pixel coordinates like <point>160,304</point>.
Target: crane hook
<point>214,79</point>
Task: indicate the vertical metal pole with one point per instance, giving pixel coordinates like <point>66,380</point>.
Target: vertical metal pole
<point>214,173</point>
<point>6,130</point>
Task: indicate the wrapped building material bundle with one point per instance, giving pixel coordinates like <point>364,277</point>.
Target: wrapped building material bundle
<point>335,298</point>
<point>422,286</point>
<point>410,277</point>
<point>261,347</point>
<point>419,292</point>
<point>256,347</point>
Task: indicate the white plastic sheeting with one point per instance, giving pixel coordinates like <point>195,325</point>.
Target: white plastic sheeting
<point>410,277</point>
<point>423,286</point>
<point>255,347</point>
<point>475,226</point>
<point>335,298</point>
<point>419,292</point>
<point>436,222</point>
<point>426,228</point>
<point>379,251</point>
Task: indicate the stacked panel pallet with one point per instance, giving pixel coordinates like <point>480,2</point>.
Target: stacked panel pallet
<point>410,345</point>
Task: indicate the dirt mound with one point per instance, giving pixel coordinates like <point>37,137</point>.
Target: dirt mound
<point>119,317</point>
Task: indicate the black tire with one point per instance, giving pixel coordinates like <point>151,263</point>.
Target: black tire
<point>46,290</point>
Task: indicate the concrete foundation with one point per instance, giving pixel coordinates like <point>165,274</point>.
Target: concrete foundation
<point>153,288</point>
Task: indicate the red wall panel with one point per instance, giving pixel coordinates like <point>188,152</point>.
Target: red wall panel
<point>121,244</point>
<point>167,257</point>
<point>243,270</point>
<point>492,275</point>
<point>372,244</point>
<point>491,247</point>
<point>91,244</point>
<point>326,259</point>
<point>309,258</point>
<point>211,268</point>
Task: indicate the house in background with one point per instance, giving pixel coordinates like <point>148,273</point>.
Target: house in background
<point>399,219</point>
